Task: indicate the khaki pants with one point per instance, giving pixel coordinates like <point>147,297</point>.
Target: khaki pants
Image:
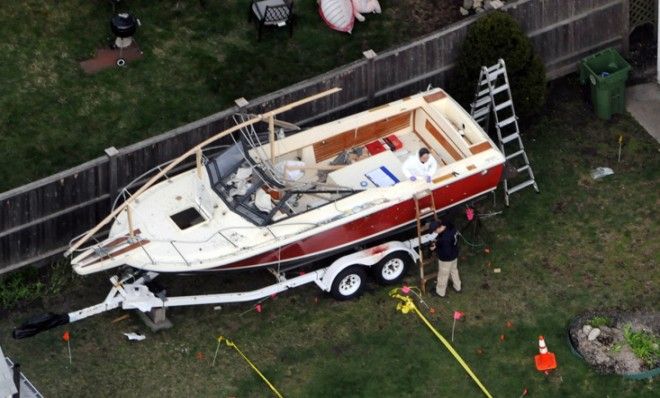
<point>446,270</point>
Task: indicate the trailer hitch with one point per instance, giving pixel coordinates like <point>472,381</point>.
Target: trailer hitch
<point>39,323</point>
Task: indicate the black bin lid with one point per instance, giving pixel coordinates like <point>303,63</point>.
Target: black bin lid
<point>123,25</point>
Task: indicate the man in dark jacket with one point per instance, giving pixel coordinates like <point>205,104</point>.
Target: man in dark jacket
<point>446,247</point>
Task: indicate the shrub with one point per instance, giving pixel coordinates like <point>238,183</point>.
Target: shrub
<point>643,344</point>
<point>497,35</point>
<point>30,284</point>
<point>598,321</point>
<point>19,286</point>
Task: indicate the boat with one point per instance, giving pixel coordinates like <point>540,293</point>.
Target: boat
<point>338,14</point>
<point>276,200</point>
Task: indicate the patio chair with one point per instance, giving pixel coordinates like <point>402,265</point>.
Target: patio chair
<point>272,13</point>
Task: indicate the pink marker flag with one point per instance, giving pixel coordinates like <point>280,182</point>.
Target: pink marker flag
<point>457,317</point>
<point>469,213</point>
<point>405,289</point>
<point>258,307</point>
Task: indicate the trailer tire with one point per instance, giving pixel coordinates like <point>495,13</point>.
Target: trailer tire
<point>349,283</point>
<point>391,269</point>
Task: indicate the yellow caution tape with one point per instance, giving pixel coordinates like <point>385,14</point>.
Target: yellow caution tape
<point>231,344</point>
<point>406,306</point>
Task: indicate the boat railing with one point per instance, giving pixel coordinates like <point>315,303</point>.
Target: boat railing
<point>180,254</point>
<point>173,242</point>
<point>159,169</point>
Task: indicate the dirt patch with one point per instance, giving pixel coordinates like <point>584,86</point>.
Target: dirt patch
<point>425,16</point>
<point>609,351</point>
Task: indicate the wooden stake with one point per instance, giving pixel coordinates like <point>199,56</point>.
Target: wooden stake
<point>271,138</point>
<point>129,215</point>
<point>121,318</point>
<point>198,162</point>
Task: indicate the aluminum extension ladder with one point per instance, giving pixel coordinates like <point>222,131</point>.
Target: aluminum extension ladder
<point>493,93</point>
<point>420,213</point>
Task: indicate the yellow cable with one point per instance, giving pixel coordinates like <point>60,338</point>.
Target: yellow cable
<point>231,344</point>
<point>406,306</point>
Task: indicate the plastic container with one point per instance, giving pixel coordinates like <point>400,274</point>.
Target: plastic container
<point>606,72</point>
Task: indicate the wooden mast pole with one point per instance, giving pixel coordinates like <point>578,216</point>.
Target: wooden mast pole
<point>188,153</point>
<point>129,216</point>
<point>271,138</point>
<point>198,162</point>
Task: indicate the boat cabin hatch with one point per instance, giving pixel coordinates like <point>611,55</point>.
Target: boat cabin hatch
<point>187,218</point>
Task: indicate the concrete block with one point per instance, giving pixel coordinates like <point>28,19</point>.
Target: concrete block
<point>156,320</point>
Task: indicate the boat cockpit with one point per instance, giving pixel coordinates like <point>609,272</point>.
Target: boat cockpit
<point>341,158</point>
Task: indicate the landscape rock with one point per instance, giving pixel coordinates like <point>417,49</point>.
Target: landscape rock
<point>609,351</point>
<point>477,4</point>
<point>463,11</point>
<point>467,4</point>
<point>479,10</point>
<point>595,332</point>
<point>586,329</point>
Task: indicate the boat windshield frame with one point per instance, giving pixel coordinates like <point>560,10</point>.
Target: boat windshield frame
<point>244,205</point>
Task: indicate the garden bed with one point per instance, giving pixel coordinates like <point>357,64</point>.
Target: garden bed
<point>624,343</point>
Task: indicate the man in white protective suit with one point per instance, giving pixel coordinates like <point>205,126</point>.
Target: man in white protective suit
<point>420,165</point>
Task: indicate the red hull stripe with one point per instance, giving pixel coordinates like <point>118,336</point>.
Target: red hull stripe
<point>384,220</point>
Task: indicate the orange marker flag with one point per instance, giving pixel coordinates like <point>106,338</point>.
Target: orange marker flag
<point>66,337</point>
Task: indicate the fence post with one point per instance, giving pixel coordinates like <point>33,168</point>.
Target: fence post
<point>625,27</point>
<point>112,153</point>
<point>370,55</point>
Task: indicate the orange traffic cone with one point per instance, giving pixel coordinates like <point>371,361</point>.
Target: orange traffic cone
<point>545,360</point>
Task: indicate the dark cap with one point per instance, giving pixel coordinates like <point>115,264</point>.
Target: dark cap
<point>434,225</point>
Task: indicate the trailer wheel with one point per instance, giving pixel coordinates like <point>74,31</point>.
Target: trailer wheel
<point>349,283</point>
<point>392,268</point>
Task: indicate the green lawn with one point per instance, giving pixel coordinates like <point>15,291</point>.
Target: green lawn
<point>199,56</point>
<point>578,245</point>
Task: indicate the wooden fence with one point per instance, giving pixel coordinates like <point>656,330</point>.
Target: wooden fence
<point>38,220</point>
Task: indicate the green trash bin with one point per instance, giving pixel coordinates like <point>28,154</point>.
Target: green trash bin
<point>606,72</point>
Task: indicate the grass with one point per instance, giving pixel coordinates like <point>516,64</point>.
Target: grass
<point>598,321</point>
<point>578,245</point>
<point>199,56</point>
<point>29,284</point>
<point>643,344</point>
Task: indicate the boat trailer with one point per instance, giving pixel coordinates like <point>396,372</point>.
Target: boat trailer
<point>345,278</point>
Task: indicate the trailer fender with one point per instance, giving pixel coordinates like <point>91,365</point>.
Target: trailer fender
<point>366,258</point>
